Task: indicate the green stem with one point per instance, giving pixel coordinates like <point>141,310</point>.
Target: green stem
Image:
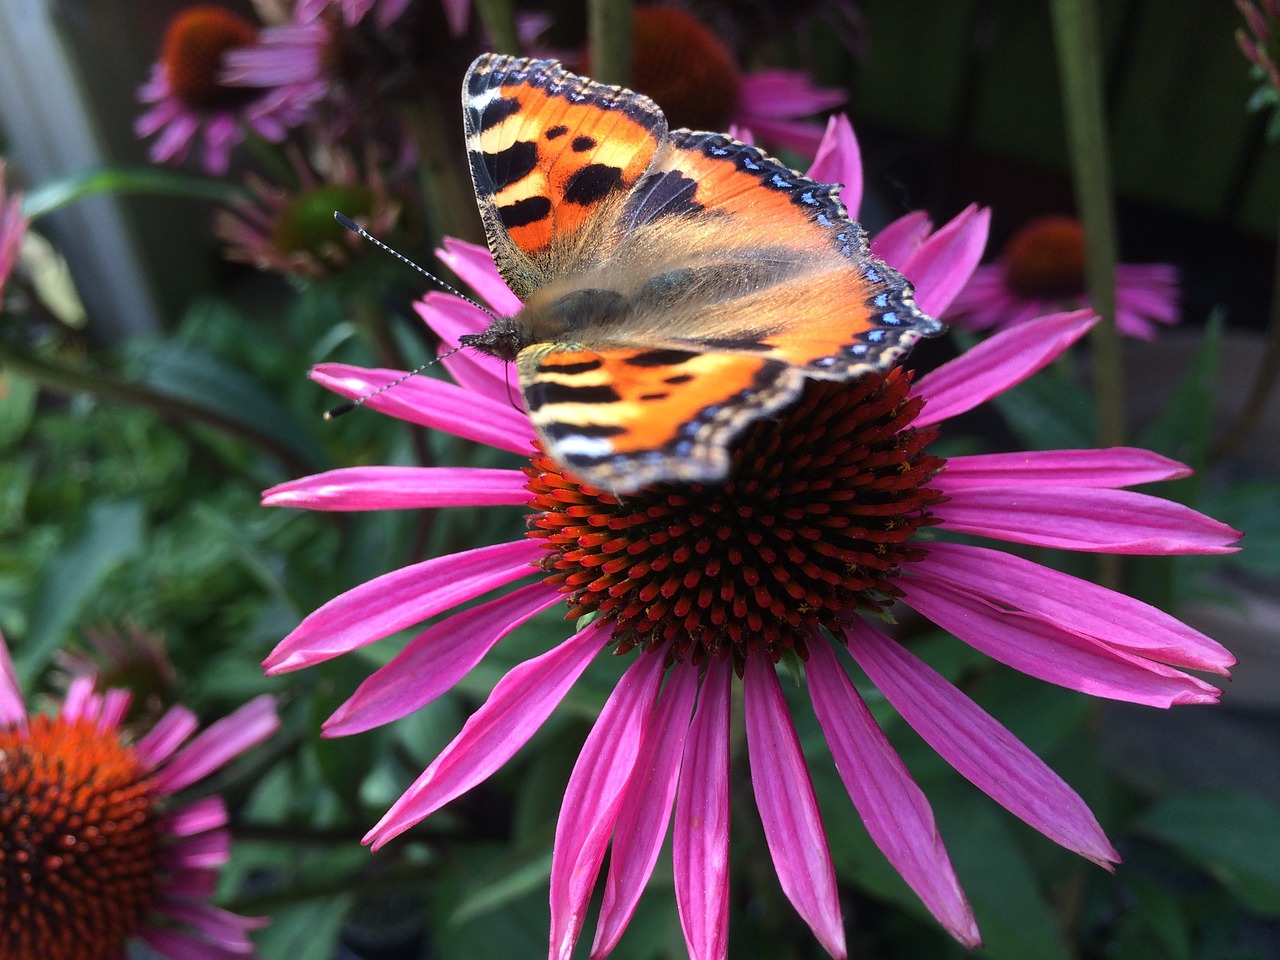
<point>68,381</point>
<point>1264,381</point>
<point>610,37</point>
<point>450,210</point>
<point>499,19</point>
<point>1079,69</point>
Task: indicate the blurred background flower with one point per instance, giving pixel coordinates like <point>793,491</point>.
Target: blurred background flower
<point>1041,269</point>
<point>96,851</point>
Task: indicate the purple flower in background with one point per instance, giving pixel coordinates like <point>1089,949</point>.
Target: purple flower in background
<point>13,226</point>
<point>90,810</point>
<point>1042,269</point>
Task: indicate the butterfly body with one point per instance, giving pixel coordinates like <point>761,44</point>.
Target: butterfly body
<point>677,286</point>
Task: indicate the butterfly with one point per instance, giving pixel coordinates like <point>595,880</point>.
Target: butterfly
<point>677,286</point>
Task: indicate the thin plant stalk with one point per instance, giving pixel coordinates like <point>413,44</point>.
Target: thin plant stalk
<point>610,30</point>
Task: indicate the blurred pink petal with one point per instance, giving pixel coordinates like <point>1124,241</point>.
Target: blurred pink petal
<point>400,488</point>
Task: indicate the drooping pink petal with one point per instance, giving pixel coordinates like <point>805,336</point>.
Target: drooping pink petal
<point>400,488</point>
<point>801,136</point>
<point>840,161</point>
<point>788,807</point>
<point>1073,604</point>
<point>1078,518</point>
<point>700,841</point>
<point>81,702</point>
<point>997,364</point>
<point>435,660</point>
<point>13,711</point>
<point>940,266</point>
<point>218,744</point>
<point>192,855</point>
<point>1052,653</point>
<point>381,606</point>
<point>225,929</point>
<point>474,266</point>
<point>978,747</point>
<point>432,403</point>
<point>894,809</point>
<point>517,707</point>
<point>1113,467</point>
<point>115,705</point>
<point>645,811</point>
<point>593,797</point>
<point>177,945</point>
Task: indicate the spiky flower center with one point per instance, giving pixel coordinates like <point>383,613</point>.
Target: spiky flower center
<point>194,47</point>
<point>1045,259</point>
<point>813,523</point>
<point>79,842</point>
<point>685,68</point>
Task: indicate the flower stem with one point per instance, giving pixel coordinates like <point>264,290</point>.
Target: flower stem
<point>1078,45</point>
<point>610,28</point>
<point>1264,381</point>
<point>65,380</point>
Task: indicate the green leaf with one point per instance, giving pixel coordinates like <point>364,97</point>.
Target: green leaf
<point>1049,412</point>
<point>195,376</point>
<point>1015,920</point>
<point>112,534</point>
<point>17,407</point>
<point>304,931</point>
<point>1184,429</point>
<point>156,181</point>
<point>1233,836</point>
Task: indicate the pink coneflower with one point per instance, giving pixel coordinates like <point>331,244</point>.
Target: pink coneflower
<point>292,230</point>
<point>191,99</point>
<point>13,226</point>
<point>833,510</point>
<point>95,852</point>
<point>1042,269</point>
<point>693,76</point>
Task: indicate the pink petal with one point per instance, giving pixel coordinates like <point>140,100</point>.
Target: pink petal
<point>13,712</point>
<point>224,928</point>
<point>169,733</point>
<point>517,707</point>
<point>840,161</point>
<point>700,844</point>
<point>1073,604</point>
<point>474,266</point>
<point>645,811</point>
<point>894,809</point>
<point>801,136</point>
<point>788,808</point>
<point>218,744</point>
<point>451,318</point>
<point>593,798</point>
<point>1078,518</point>
<point>178,945</point>
<point>781,94</point>
<point>997,364</point>
<point>432,403</point>
<point>393,601</point>
<point>199,816</point>
<point>1113,467</point>
<point>436,659</point>
<point>978,747</point>
<point>81,702</point>
<point>944,262</point>
<point>198,854</point>
<point>400,488</point>
<point>897,243</point>
<point>1051,653</point>
<point>456,14</point>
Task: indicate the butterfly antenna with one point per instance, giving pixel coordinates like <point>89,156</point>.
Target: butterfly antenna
<point>354,227</point>
<point>350,405</point>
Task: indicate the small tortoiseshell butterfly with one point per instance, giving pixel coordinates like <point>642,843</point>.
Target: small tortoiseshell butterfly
<point>677,286</point>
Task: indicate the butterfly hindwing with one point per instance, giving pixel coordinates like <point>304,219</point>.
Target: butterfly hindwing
<point>552,156</point>
<point>606,411</point>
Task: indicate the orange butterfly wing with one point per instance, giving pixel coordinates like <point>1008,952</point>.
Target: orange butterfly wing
<point>678,286</point>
